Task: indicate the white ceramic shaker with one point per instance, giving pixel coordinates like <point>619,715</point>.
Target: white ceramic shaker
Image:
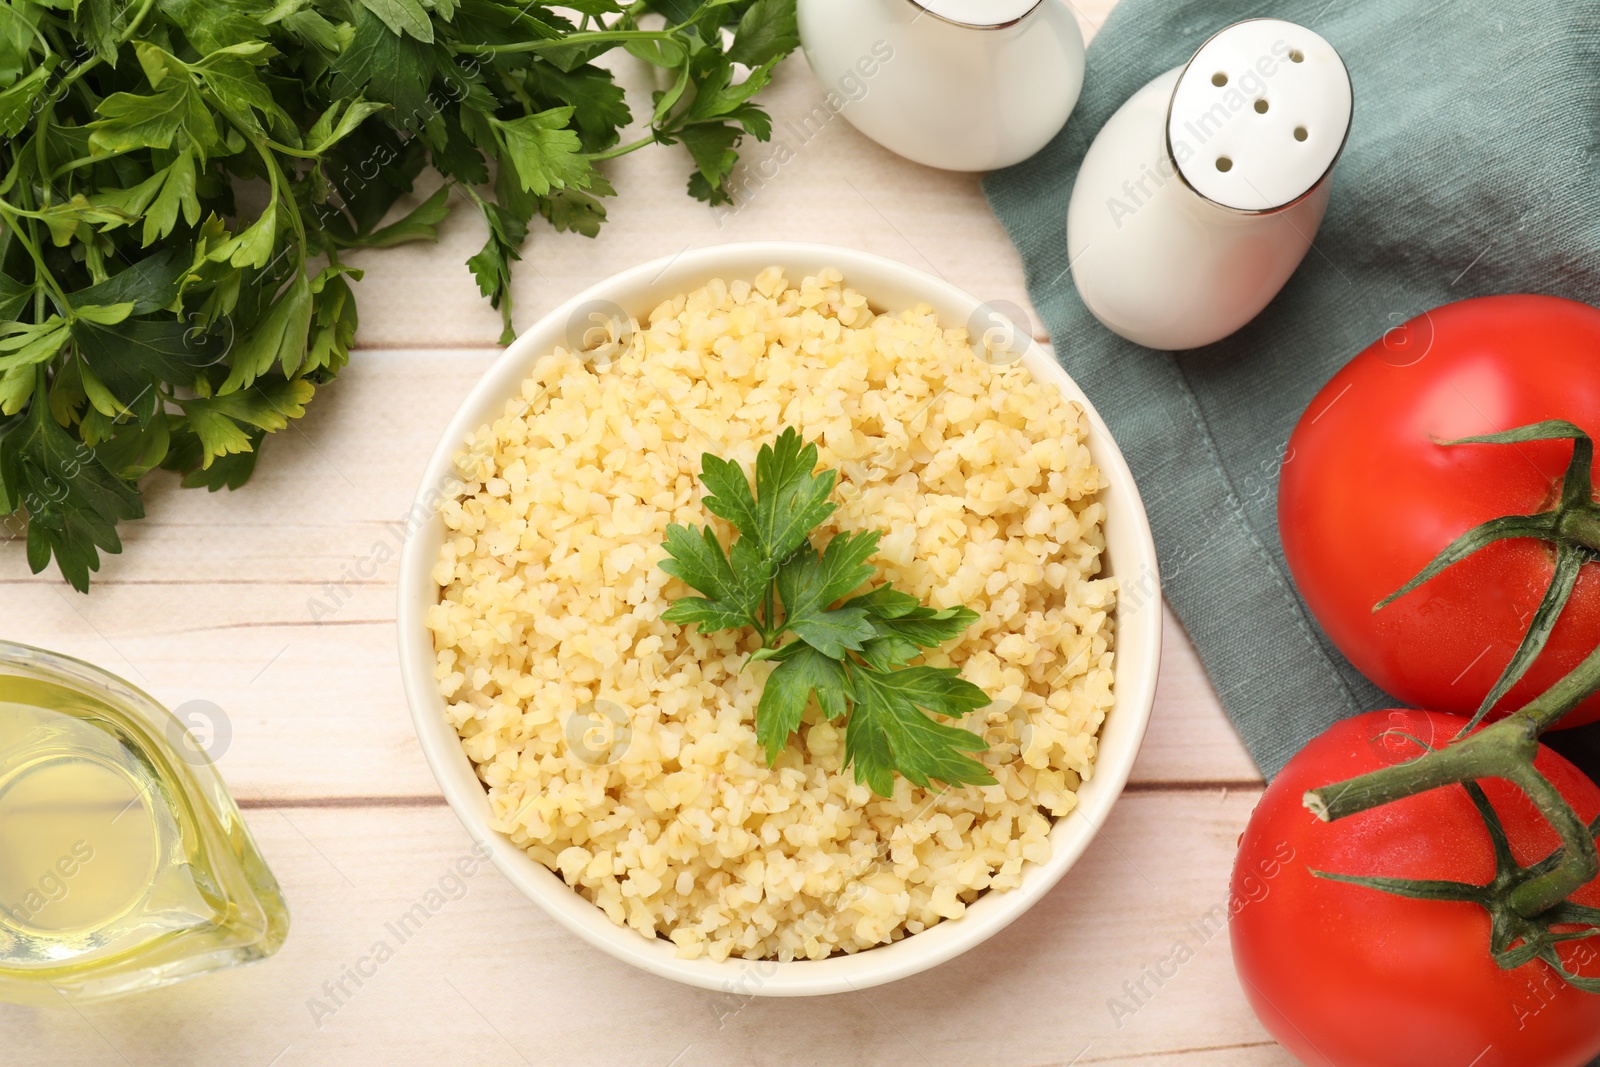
<point>955,84</point>
<point>1202,194</point>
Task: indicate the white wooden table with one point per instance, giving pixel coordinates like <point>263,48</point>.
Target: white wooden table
<point>213,600</point>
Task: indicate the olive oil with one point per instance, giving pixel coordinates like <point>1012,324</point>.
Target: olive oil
<point>124,864</point>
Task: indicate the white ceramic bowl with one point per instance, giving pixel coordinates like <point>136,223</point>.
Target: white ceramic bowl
<point>1130,553</point>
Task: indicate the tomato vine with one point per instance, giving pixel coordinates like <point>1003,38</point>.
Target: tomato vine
<point>1530,906</point>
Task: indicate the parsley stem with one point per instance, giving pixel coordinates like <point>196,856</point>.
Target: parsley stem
<point>8,215</point>
<point>622,150</point>
<point>279,182</point>
<point>122,38</point>
<point>550,44</point>
<point>89,161</point>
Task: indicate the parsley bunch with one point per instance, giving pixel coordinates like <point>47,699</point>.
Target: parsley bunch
<point>853,656</point>
<point>180,181</point>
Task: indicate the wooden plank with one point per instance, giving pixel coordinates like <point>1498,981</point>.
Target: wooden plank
<point>489,979</point>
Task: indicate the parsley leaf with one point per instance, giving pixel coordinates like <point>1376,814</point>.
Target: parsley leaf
<point>899,640</point>
<point>852,657</point>
<point>545,153</point>
<point>808,583</point>
<point>888,734</point>
<point>768,30</point>
<point>733,587</point>
<point>801,672</point>
<point>794,501</point>
<point>74,503</point>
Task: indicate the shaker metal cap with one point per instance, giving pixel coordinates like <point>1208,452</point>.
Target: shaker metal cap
<point>980,14</point>
<point>1259,115</point>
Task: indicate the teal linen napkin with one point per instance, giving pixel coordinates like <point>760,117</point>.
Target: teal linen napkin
<point>1472,167</point>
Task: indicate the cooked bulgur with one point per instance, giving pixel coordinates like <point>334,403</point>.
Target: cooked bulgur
<point>620,751</point>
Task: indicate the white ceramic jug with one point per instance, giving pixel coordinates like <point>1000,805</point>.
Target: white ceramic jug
<point>956,84</point>
<point>1202,194</point>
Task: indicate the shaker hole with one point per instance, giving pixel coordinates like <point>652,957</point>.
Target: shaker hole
<point>1296,56</point>
<point>1300,133</point>
<point>1261,107</point>
<point>1224,164</point>
<point>1219,79</point>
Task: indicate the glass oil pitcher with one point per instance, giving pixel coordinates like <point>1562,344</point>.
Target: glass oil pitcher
<point>124,863</point>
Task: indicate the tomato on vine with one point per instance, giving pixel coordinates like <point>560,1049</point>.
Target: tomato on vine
<point>1381,944</point>
<point>1412,455</point>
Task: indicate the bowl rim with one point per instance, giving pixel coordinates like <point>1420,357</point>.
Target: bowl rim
<point>1135,665</point>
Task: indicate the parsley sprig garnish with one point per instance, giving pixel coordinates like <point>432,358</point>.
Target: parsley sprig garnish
<point>853,656</point>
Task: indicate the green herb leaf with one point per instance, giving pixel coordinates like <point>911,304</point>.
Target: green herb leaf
<point>794,501</point>
<point>130,121</point>
<point>899,640</point>
<point>546,154</point>
<point>808,583</point>
<point>420,224</point>
<point>73,502</point>
<point>599,106</point>
<point>768,31</point>
<point>732,588</point>
<point>887,733</point>
<point>403,16</point>
<point>711,145</point>
<point>268,405</point>
<point>132,357</point>
<point>802,672</point>
<point>492,265</point>
<point>16,103</point>
<point>150,284</point>
<point>280,338</point>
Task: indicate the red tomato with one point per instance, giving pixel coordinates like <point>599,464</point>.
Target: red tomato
<point>1347,976</point>
<point>1368,498</point>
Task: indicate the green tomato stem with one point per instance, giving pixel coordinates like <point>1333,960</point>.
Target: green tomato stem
<point>1505,750</point>
<point>1553,705</point>
<point>1581,525</point>
<point>1483,755</point>
<point>1580,861</point>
